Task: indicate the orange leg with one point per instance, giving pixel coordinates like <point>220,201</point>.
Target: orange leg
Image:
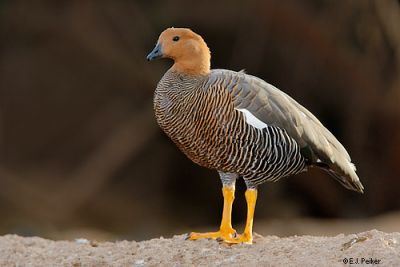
<point>247,236</point>
<point>226,232</point>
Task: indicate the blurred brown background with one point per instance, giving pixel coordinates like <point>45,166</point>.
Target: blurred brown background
<point>80,151</point>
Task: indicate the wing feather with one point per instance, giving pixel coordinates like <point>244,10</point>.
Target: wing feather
<point>273,107</point>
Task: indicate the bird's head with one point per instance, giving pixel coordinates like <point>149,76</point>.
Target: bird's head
<point>190,53</point>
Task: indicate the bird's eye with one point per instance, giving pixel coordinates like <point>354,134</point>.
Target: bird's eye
<point>175,39</point>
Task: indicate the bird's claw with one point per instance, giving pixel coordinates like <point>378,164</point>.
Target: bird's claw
<point>221,234</point>
<point>229,237</point>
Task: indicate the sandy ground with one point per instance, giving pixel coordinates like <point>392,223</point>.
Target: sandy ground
<point>369,248</point>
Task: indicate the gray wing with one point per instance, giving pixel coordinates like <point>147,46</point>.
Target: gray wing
<point>273,107</point>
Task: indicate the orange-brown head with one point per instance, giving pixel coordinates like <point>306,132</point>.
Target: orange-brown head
<point>190,53</point>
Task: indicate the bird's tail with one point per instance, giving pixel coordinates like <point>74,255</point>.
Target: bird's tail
<point>350,181</point>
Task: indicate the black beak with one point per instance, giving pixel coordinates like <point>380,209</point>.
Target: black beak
<point>156,53</point>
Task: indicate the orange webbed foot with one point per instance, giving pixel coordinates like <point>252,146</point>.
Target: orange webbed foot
<point>226,236</point>
<point>222,234</point>
<point>240,239</point>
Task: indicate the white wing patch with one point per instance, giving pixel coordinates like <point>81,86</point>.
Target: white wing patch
<point>251,119</point>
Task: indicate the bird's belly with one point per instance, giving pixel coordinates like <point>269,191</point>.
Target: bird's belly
<point>200,140</point>
<point>199,144</point>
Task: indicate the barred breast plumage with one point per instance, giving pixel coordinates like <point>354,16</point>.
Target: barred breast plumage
<point>240,126</point>
<point>199,115</point>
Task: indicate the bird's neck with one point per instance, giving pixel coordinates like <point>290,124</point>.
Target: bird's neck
<point>193,66</point>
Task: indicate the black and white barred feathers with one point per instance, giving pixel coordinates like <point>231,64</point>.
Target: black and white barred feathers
<point>237,123</point>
